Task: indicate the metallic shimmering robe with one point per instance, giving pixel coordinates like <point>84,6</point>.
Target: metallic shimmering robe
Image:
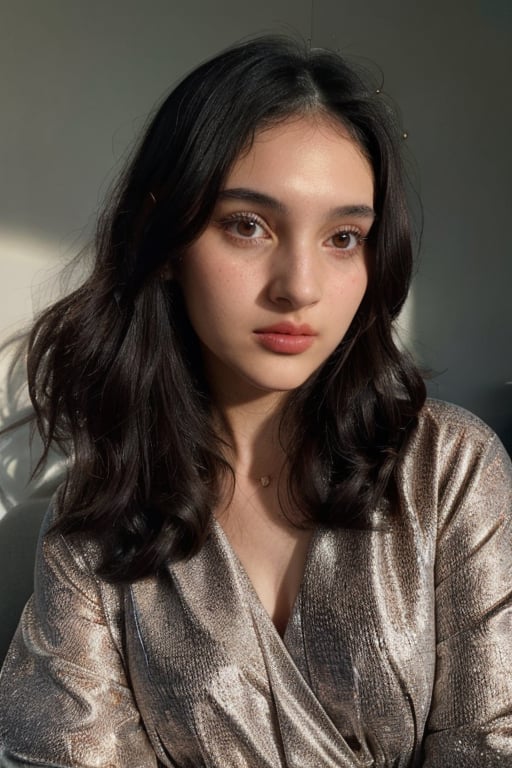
<point>398,651</point>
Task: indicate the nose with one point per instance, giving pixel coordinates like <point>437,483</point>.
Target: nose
<point>295,276</point>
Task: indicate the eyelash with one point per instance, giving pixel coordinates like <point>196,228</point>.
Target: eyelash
<point>252,218</point>
<point>355,232</point>
<point>237,218</point>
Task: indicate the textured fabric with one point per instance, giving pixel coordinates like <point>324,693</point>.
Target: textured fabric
<point>398,651</point>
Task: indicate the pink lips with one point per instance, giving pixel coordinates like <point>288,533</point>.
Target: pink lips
<point>286,338</point>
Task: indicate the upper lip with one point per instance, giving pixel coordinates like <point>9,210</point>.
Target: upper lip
<point>288,328</point>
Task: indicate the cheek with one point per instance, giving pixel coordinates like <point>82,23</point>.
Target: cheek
<point>360,279</point>
<point>214,295</point>
<point>352,291</point>
<point>359,286</point>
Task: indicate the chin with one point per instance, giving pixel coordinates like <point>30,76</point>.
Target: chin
<point>278,383</point>
<point>259,378</point>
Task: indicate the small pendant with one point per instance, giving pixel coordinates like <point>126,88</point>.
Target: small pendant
<point>265,481</point>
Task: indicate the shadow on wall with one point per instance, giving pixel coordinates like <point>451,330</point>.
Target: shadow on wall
<point>23,500</point>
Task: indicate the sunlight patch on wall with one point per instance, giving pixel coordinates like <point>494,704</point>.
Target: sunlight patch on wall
<point>29,268</point>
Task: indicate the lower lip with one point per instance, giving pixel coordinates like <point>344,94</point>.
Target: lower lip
<point>285,343</point>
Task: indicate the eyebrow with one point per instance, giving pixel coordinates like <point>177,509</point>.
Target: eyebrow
<point>260,198</point>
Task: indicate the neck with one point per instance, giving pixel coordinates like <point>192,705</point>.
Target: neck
<point>250,430</point>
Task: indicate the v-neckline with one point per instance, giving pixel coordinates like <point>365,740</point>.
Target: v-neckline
<point>252,594</point>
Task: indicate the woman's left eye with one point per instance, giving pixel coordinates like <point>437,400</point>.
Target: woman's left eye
<point>346,240</point>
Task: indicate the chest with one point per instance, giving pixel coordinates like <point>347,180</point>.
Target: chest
<point>359,650</point>
<point>273,555</point>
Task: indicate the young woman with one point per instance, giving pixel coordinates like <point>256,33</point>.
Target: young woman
<point>269,551</point>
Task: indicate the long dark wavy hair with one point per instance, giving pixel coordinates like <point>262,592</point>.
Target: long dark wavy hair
<point>114,368</point>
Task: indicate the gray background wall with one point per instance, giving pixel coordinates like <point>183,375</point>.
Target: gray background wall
<point>78,78</point>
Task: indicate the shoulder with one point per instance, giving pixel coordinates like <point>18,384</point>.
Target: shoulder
<point>445,422</point>
<point>452,447</point>
<point>447,434</point>
<point>452,454</point>
<point>67,565</point>
<point>79,551</point>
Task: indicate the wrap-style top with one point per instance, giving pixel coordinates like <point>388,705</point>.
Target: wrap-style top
<point>398,651</point>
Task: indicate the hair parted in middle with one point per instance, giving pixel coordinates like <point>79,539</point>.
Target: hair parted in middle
<point>115,372</point>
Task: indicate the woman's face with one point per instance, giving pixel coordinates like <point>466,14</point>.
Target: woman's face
<point>273,283</point>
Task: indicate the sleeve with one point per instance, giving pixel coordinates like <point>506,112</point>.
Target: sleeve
<point>470,722</point>
<point>64,697</point>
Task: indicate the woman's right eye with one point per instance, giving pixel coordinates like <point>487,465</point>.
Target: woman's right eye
<point>244,227</point>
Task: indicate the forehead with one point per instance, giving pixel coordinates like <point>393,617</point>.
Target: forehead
<point>311,153</point>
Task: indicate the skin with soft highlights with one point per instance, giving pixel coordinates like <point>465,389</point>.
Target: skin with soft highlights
<point>285,245</point>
